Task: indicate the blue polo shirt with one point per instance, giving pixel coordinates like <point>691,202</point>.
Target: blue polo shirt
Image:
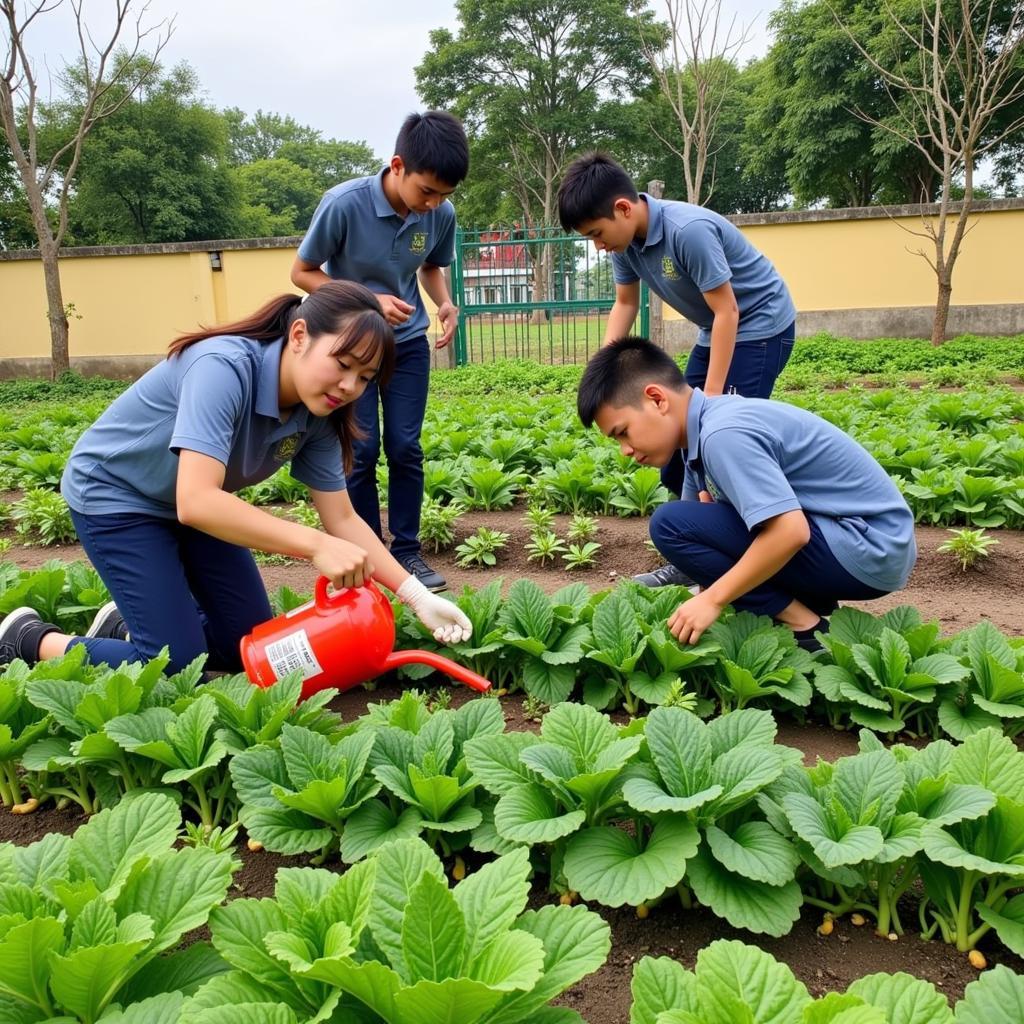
<point>218,397</point>
<point>690,250</point>
<point>765,458</point>
<point>356,235</point>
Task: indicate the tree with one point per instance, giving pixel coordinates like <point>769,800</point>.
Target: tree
<point>331,160</point>
<point>695,73</point>
<point>737,188</point>
<point>279,197</point>
<point>156,171</point>
<point>283,167</point>
<point>803,111</point>
<point>950,103</point>
<point>110,79</point>
<point>260,136</point>
<point>534,81</point>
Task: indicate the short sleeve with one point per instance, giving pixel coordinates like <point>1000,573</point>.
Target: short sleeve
<point>318,462</point>
<point>443,251</point>
<point>622,270</point>
<point>744,467</point>
<point>326,233</point>
<point>698,250</point>
<point>212,399</point>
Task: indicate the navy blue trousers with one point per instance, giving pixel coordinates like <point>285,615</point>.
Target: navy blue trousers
<point>706,539</point>
<point>176,587</point>
<point>404,403</point>
<point>752,373</point>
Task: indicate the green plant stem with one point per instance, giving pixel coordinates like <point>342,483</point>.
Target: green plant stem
<point>205,813</point>
<point>10,784</point>
<point>5,792</point>
<point>685,896</point>
<point>964,907</point>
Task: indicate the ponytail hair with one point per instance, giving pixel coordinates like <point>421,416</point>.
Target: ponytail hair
<point>349,312</point>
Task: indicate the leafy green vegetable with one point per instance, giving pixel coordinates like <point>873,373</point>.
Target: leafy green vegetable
<point>86,918</point>
<point>297,796</point>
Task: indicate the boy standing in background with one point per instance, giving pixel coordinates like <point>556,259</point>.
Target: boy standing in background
<point>394,232</point>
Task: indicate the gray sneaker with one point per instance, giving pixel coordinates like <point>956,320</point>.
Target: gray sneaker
<point>108,624</point>
<point>665,576</point>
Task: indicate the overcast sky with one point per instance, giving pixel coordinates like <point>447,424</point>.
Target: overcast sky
<point>343,66</point>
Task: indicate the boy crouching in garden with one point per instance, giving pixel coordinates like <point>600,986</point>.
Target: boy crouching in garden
<point>788,516</point>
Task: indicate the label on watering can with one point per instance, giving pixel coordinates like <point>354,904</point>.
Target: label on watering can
<point>293,653</point>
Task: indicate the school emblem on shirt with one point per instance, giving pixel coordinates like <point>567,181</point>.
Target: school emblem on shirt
<point>668,269</point>
<point>712,487</point>
<point>286,448</point>
<point>418,243</point>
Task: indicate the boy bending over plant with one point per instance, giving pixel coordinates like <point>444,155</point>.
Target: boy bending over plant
<point>787,515</point>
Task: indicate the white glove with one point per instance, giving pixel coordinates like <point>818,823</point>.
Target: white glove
<point>443,618</point>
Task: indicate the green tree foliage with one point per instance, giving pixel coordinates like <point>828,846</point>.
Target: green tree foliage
<point>282,168</point>
<point>279,197</point>
<point>536,82</point>
<point>806,103</point>
<point>16,231</point>
<point>157,171</point>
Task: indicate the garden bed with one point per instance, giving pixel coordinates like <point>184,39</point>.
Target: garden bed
<point>823,964</point>
<point>938,587</point>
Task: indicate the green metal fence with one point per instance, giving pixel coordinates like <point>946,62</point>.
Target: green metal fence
<point>531,294</point>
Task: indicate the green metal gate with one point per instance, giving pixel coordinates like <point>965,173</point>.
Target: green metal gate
<point>535,294</point>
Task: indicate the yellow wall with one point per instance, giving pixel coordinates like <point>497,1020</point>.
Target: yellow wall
<point>134,304</point>
<point>857,264</point>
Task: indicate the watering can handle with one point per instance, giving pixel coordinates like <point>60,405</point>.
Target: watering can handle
<point>442,664</point>
<point>324,601</point>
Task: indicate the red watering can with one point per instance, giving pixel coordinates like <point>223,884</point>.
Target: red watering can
<point>338,640</point>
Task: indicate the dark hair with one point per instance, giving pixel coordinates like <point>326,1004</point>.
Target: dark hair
<point>618,373</point>
<point>589,189</point>
<point>344,309</point>
<point>434,142</point>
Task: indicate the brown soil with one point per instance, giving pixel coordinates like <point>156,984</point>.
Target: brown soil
<point>822,964</point>
<point>938,588</point>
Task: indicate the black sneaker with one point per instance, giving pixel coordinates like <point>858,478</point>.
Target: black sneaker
<point>108,624</point>
<point>666,576</point>
<point>430,578</point>
<point>806,639</point>
<point>20,634</point>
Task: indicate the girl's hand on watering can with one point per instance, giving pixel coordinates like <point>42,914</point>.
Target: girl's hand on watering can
<point>343,563</point>
<point>444,619</point>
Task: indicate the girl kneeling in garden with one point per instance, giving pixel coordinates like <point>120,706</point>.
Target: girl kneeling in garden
<point>151,485</point>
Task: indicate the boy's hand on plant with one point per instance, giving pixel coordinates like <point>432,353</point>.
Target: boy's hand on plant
<point>691,619</point>
<point>395,310</point>
<point>444,619</point>
<point>345,564</point>
<point>448,315</point>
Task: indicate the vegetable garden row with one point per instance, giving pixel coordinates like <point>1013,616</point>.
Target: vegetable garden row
<point>91,923</point>
<point>654,781</point>
<point>958,458</point>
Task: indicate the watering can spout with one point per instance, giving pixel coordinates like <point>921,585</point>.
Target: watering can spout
<point>450,668</point>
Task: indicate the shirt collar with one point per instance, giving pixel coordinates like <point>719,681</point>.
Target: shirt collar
<point>381,206</point>
<point>655,221</point>
<point>268,387</point>
<point>693,417</point>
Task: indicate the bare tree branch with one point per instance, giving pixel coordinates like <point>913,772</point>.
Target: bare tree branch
<point>964,69</point>
<point>699,50</point>
<point>109,79</point>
